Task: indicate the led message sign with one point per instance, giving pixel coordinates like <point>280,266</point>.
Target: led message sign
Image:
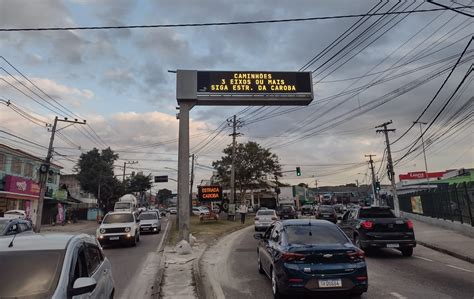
<point>253,82</point>
<point>209,193</point>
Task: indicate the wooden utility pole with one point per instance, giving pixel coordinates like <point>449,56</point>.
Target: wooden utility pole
<point>371,162</point>
<point>125,167</point>
<point>44,170</point>
<point>390,171</point>
<point>235,124</point>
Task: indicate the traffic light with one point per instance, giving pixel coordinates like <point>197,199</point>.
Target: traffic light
<point>298,171</point>
<point>377,186</point>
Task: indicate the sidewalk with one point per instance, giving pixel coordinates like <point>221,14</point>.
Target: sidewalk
<point>444,240</point>
<point>84,226</point>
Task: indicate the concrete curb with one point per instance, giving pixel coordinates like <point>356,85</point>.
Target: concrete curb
<point>161,268</point>
<point>446,251</point>
<point>204,287</point>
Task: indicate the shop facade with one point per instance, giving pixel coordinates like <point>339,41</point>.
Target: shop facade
<point>19,181</point>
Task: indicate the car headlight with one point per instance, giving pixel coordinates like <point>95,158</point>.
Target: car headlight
<point>102,230</point>
<point>127,229</point>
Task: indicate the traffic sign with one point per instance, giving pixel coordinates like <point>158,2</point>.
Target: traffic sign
<point>161,179</point>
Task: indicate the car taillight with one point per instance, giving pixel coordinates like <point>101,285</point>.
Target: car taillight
<point>256,218</point>
<point>410,224</point>
<point>367,224</point>
<point>290,257</point>
<point>356,255</point>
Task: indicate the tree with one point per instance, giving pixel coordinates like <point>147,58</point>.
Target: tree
<point>139,183</point>
<point>255,167</point>
<point>303,185</point>
<point>96,169</point>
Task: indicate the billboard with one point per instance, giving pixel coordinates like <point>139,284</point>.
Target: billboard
<point>209,193</point>
<point>21,185</point>
<point>245,87</point>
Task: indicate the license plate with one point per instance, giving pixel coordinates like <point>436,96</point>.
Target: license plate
<point>393,245</point>
<point>330,283</point>
<point>113,238</point>
<point>145,228</point>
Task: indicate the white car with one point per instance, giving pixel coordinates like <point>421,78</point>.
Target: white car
<point>13,214</point>
<point>173,210</point>
<point>264,218</point>
<point>150,221</point>
<point>200,211</point>
<point>54,266</point>
<point>119,228</point>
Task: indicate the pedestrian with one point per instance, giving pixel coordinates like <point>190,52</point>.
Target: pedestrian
<point>243,210</point>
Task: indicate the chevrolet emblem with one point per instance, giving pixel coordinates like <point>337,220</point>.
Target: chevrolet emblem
<point>328,255</point>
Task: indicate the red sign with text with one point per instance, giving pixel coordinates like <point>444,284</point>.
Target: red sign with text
<point>21,185</point>
<point>417,175</point>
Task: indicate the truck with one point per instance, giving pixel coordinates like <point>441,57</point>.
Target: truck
<point>126,203</point>
<point>377,227</point>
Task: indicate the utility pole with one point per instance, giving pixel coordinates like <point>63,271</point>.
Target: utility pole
<point>390,171</point>
<point>125,167</point>
<point>44,170</point>
<point>235,124</point>
<point>371,162</point>
<point>191,187</point>
<point>424,152</point>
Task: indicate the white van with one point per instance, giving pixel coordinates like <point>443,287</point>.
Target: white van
<point>126,203</point>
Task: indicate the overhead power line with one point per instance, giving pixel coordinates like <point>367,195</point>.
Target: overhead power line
<point>229,23</point>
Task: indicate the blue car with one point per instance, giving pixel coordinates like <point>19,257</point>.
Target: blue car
<point>310,256</point>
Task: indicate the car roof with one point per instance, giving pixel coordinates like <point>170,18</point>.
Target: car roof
<point>5,220</point>
<point>375,208</point>
<point>266,210</point>
<point>121,212</point>
<point>304,222</point>
<point>31,242</point>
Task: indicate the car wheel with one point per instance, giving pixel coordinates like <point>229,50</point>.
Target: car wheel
<point>357,242</point>
<point>275,291</point>
<point>112,294</point>
<point>138,237</point>
<point>407,251</point>
<point>357,294</point>
<point>259,264</point>
<point>134,241</point>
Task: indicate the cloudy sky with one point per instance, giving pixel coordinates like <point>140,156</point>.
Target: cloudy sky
<point>379,69</point>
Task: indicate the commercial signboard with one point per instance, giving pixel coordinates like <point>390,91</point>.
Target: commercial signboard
<point>209,193</point>
<point>245,87</point>
<point>161,179</point>
<point>21,185</point>
<point>418,175</point>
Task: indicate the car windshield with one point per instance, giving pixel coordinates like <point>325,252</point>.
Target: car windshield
<point>314,234</point>
<point>286,209</point>
<point>326,209</point>
<point>122,205</point>
<point>266,213</point>
<point>148,216</point>
<point>30,274</point>
<point>118,218</point>
<point>376,213</point>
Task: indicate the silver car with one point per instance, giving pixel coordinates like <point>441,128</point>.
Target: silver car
<point>150,222</point>
<point>264,218</point>
<point>54,266</point>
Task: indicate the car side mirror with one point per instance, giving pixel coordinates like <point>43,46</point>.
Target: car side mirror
<point>83,285</point>
<point>258,236</point>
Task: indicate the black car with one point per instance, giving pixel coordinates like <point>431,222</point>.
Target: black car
<point>14,226</point>
<point>307,210</point>
<point>287,212</point>
<point>308,257</point>
<point>326,212</point>
<point>378,227</point>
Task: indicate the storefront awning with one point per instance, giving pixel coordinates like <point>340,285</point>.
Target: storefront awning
<point>19,196</point>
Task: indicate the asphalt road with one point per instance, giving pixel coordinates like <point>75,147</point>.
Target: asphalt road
<point>127,261</point>
<point>428,274</point>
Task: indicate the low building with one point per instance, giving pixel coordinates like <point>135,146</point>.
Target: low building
<point>19,181</point>
<point>75,191</point>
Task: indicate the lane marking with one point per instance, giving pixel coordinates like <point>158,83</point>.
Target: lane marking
<point>459,268</point>
<point>395,294</point>
<point>422,258</point>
